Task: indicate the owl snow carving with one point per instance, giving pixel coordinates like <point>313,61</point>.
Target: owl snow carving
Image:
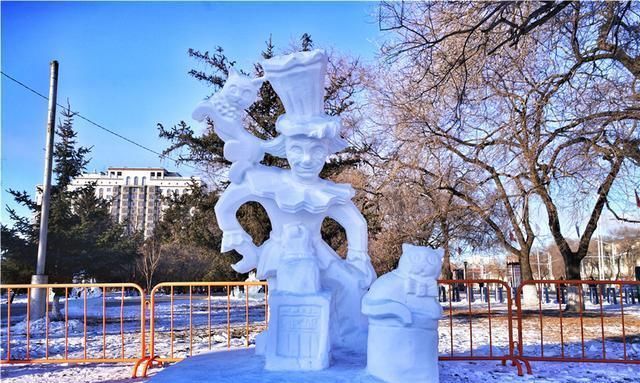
<point>227,107</point>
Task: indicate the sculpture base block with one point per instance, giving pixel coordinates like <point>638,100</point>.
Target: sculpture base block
<point>244,366</point>
<point>415,354</point>
<point>298,334</point>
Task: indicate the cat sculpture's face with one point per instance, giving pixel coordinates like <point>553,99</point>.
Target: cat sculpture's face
<point>420,262</point>
<point>237,94</point>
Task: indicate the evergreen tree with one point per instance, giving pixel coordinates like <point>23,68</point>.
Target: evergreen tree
<point>82,239</point>
<point>70,161</point>
<point>306,42</point>
<point>343,85</point>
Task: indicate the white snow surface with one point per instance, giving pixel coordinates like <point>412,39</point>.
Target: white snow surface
<point>450,372</point>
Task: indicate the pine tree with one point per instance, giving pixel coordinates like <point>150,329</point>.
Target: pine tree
<point>343,85</point>
<point>82,239</point>
<point>70,161</point>
<point>306,42</point>
<point>206,151</point>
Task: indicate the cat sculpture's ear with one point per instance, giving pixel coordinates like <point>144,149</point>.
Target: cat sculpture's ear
<point>233,72</point>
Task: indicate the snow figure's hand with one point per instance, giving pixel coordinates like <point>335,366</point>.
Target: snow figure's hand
<point>249,259</point>
<point>360,260</point>
<point>241,242</point>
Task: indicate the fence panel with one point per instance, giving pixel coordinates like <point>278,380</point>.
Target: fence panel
<point>580,321</point>
<point>477,322</point>
<point>95,322</point>
<point>193,317</point>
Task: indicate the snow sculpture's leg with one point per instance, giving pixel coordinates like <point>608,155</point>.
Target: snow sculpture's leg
<point>263,338</point>
<point>349,326</point>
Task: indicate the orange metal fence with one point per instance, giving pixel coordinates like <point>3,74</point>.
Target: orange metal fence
<point>566,321</point>
<point>202,315</point>
<point>84,327</point>
<point>579,321</point>
<point>477,322</point>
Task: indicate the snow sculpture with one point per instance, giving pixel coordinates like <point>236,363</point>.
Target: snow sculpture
<point>254,291</point>
<point>315,295</point>
<point>403,312</point>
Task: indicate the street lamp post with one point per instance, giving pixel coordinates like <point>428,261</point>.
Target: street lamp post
<point>39,297</point>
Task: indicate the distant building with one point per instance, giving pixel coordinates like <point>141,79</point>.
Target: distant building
<point>135,193</point>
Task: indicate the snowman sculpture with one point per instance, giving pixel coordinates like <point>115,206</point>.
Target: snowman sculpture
<point>314,295</point>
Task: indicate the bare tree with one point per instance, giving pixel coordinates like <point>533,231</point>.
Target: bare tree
<point>537,103</point>
<point>150,258</point>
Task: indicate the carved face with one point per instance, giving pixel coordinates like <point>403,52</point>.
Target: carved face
<point>306,156</point>
<point>237,94</point>
<point>421,262</point>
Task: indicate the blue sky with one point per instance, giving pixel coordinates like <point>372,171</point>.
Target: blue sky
<point>124,65</point>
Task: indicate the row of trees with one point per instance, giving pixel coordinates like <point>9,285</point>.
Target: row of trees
<point>85,243</point>
<point>482,125</point>
<point>83,240</point>
<point>515,111</point>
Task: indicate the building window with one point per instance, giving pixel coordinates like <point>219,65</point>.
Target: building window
<point>100,192</point>
<point>144,179</point>
<point>126,181</point>
<point>135,180</point>
<point>119,174</point>
<point>108,190</point>
<point>153,174</point>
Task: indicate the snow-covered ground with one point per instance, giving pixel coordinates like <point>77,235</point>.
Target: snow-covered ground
<point>450,372</point>
<point>199,325</point>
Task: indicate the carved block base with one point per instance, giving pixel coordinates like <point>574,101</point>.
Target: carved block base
<point>298,335</point>
<point>415,354</point>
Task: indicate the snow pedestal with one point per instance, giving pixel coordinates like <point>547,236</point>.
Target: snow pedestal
<point>415,353</point>
<point>298,335</point>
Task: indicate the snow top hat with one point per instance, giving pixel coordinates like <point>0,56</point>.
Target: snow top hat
<point>298,79</point>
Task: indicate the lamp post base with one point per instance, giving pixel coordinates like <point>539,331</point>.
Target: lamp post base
<point>39,298</point>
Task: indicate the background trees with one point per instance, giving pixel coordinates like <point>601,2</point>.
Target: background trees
<point>83,241</point>
<point>530,104</point>
<point>345,82</point>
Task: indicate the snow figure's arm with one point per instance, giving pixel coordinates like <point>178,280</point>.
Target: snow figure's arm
<point>233,235</point>
<point>386,309</point>
<point>355,226</point>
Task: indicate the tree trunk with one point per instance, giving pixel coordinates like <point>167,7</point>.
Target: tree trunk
<point>446,259</point>
<point>529,292</point>
<point>56,312</point>
<point>572,270</point>
<point>446,265</point>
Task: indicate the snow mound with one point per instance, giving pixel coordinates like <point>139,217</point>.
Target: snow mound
<point>39,326</point>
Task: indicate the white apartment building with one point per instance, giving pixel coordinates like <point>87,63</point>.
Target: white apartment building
<point>135,193</point>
